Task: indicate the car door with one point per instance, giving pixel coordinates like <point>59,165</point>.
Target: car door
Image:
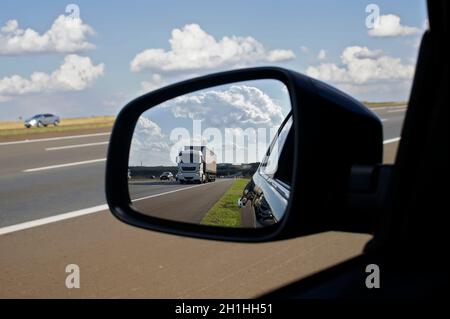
<point>44,119</point>
<point>265,197</point>
<point>48,119</point>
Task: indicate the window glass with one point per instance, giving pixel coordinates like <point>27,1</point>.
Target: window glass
<point>270,164</point>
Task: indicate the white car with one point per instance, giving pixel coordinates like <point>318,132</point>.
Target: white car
<point>40,120</point>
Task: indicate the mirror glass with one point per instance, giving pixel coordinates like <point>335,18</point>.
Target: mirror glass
<point>221,156</point>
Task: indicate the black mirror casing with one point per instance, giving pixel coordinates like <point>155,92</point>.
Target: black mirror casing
<point>333,132</point>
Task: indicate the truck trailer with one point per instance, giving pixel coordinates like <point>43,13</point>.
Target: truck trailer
<point>196,164</point>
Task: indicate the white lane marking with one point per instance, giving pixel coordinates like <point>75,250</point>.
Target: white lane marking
<point>54,138</point>
<point>395,111</point>
<point>78,213</point>
<point>384,120</point>
<point>74,146</point>
<point>52,219</point>
<point>170,192</point>
<point>392,140</point>
<point>63,165</point>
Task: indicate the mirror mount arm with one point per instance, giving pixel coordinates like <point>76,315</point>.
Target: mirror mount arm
<point>366,198</point>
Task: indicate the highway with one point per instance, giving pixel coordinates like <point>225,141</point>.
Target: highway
<point>31,189</point>
<point>53,213</point>
<point>186,203</point>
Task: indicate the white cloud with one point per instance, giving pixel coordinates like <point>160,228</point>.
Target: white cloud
<point>361,65</point>
<point>322,55</point>
<point>328,72</point>
<point>147,126</point>
<point>226,119</point>
<point>390,26</point>
<point>75,74</point>
<point>279,55</point>
<point>149,144</point>
<point>155,82</point>
<point>10,26</point>
<point>194,49</point>
<point>66,35</point>
<point>238,106</point>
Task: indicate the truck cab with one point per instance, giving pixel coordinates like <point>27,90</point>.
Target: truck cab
<point>190,168</point>
<point>196,164</point>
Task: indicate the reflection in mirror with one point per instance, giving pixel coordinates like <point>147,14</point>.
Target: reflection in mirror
<point>222,156</point>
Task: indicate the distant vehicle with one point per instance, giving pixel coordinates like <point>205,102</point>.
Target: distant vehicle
<point>196,164</point>
<point>40,120</point>
<point>166,176</point>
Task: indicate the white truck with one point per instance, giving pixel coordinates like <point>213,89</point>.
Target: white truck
<point>196,164</point>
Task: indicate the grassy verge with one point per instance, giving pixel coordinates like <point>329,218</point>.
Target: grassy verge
<point>225,212</point>
<point>16,128</point>
<point>383,104</point>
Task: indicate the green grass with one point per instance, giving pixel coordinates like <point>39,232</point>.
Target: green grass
<point>225,212</point>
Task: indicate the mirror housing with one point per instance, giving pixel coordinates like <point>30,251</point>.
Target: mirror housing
<point>333,132</point>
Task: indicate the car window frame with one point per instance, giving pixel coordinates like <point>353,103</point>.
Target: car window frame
<point>280,186</point>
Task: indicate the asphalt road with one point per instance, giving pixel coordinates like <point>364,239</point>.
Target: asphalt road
<point>392,118</point>
<point>29,195</point>
<point>117,260</point>
<point>187,203</point>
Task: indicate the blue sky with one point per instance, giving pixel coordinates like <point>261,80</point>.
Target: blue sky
<point>374,67</point>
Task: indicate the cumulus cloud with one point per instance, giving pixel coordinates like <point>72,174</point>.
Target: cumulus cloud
<point>361,66</point>
<point>66,35</point>
<point>155,82</point>
<point>238,106</point>
<point>76,73</point>
<point>227,119</point>
<point>191,48</point>
<point>149,144</point>
<point>389,26</point>
<point>147,126</point>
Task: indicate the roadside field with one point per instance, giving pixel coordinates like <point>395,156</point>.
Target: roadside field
<point>225,212</point>
<point>384,104</point>
<point>16,128</point>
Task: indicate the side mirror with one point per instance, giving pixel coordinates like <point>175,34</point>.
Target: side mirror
<point>288,176</point>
